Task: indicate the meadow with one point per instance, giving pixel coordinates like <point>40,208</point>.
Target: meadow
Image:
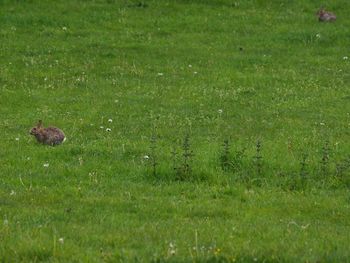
<point>197,131</point>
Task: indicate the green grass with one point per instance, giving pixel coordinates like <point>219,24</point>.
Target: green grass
<point>242,71</point>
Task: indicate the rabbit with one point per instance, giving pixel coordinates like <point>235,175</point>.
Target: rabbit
<point>325,16</point>
<point>50,136</point>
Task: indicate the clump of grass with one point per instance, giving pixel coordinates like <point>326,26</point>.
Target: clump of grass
<point>342,172</point>
<point>237,161</point>
<point>137,4</point>
<point>232,160</point>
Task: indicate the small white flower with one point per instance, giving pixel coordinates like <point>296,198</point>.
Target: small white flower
<point>61,240</point>
<point>172,249</point>
<point>146,157</point>
<point>345,58</point>
<point>220,111</point>
<point>190,66</point>
<point>195,72</point>
<point>160,74</point>
<point>46,165</point>
<point>322,123</point>
<point>12,192</point>
<point>110,120</point>
<point>318,35</point>
<point>17,139</point>
<point>64,28</point>
<point>116,101</point>
<point>101,127</point>
<point>108,129</point>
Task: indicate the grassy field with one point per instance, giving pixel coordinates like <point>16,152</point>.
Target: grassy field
<point>198,130</point>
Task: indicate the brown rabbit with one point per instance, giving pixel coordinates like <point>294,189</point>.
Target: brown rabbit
<point>50,136</point>
<point>325,16</point>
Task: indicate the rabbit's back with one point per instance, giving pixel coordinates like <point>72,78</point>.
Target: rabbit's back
<point>327,16</point>
<point>54,136</point>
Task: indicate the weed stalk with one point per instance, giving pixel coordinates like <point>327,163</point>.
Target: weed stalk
<point>325,159</point>
<point>303,169</point>
<point>225,155</point>
<point>185,170</point>
<point>153,155</point>
<point>258,158</point>
<point>174,158</point>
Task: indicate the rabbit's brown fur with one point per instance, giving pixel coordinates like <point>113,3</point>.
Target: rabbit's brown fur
<point>50,136</point>
<point>325,16</point>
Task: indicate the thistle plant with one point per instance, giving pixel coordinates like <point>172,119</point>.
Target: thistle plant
<point>303,168</point>
<point>258,158</point>
<point>152,158</point>
<point>153,155</point>
<point>185,169</point>
<point>343,168</point>
<point>303,164</point>
<point>325,159</point>
<point>174,156</point>
<point>225,156</point>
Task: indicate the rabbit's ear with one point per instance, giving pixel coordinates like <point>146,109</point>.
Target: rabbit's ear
<point>40,124</point>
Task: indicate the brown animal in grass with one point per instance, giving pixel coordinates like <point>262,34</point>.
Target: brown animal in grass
<point>50,135</point>
<point>325,16</point>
